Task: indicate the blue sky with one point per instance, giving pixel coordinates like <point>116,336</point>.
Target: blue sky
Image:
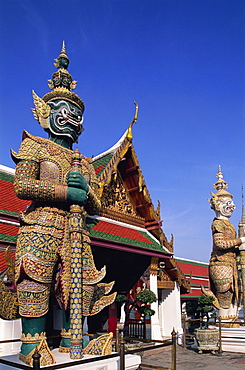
<point>182,61</point>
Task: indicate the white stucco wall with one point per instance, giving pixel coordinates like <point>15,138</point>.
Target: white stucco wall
<point>155,324</point>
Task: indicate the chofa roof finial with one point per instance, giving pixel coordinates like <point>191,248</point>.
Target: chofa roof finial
<point>129,132</point>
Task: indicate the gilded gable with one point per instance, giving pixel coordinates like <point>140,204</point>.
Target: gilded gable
<point>115,197</point>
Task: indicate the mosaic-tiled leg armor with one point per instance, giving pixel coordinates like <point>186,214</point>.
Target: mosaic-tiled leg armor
<point>94,298</point>
<point>98,346</point>
<point>32,331</point>
<point>36,259</point>
<point>65,343</point>
<point>222,278</point>
<point>33,300</point>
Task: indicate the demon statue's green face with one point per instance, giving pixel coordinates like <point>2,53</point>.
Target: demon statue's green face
<point>65,119</point>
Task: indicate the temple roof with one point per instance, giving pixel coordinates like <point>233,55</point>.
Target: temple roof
<point>197,274</point>
<point>8,232</point>
<point>101,161</point>
<point>107,229</point>
<point>121,159</point>
<point>10,204</point>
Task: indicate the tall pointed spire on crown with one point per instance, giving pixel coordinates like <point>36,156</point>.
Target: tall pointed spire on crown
<point>220,183</point>
<point>221,186</point>
<point>62,83</point>
<point>62,78</point>
<point>62,61</point>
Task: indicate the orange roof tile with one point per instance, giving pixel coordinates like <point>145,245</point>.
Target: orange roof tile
<point>120,231</point>
<point>8,229</point>
<point>9,201</point>
<point>194,267</point>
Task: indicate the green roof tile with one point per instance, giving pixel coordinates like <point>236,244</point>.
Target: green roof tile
<point>6,177</point>
<point>101,163</point>
<point>8,238</point>
<point>149,244</point>
<point>9,212</point>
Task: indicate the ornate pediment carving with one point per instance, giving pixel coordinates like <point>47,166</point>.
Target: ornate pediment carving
<point>164,280</point>
<point>116,197</point>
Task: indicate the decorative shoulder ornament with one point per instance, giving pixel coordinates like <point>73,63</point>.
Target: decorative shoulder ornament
<point>221,186</point>
<point>42,110</point>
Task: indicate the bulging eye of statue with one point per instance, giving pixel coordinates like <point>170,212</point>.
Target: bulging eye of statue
<point>64,112</point>
<point>73,109</point>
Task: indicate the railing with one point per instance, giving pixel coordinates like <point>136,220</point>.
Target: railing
<point>157,344</point>
<point>120,351</point>
<point>185,334</point>
<point>136,329</point>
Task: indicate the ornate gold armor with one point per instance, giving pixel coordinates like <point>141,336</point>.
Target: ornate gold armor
<point>43,240</point>
<point>222,266</point>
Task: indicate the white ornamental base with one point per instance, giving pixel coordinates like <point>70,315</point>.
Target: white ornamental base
<point>233,339</point>
<point>132,362</point>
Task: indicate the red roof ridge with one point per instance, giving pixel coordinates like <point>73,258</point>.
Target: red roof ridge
<point>129,226</point>
<point>10,222</point>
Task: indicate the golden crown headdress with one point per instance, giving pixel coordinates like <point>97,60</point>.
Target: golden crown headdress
<point>221,186</point>
<point>61,85</point>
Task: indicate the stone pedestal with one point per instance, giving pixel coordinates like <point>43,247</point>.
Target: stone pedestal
<point>233,339</point>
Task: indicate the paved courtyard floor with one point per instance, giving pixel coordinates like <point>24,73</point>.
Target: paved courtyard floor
<point>190,359</point>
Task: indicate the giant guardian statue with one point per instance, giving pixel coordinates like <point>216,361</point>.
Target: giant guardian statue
<point>223,272</point>
<point>53,253</point>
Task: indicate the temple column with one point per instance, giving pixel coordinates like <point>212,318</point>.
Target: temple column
<point>170,311</point>
<point>155,325</point>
